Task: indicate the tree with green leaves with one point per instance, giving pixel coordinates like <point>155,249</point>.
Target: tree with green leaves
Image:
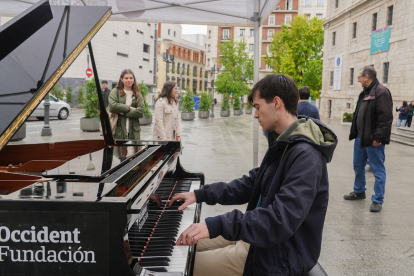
<point>234,58</point>
<point>144,92</point>
<point>69,94</point>
<point>225,105</point>
<point>81,95</point>
<point>188,100</point>
<point>237,103</point>
<point>205,101</point>
<point>296,51</point>
<point>90,105</point>
<point>56,91</point>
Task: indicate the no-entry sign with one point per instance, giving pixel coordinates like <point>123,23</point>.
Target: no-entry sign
<point>89,72</point>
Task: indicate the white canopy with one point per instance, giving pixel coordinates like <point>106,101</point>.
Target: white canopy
<point>199,12</point>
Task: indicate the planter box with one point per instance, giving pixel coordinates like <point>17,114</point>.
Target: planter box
<point>90,124</point>
<point>187,116</point>
<point>225,113</point>
<point>249,111</point>
<point>342,118</point>
<point>237,112</point>
<point>20,134</point>
<point>146,120</point>
<point>203,114</point>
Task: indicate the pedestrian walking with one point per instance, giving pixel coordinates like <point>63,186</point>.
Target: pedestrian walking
<point>281,231</point>
<point>371,129</point>
<point>167,122</point>
<point>410,113</point>
<point>105,94</point>
<point>304,106</point>
<point>127,102</point>
<point>402,114</point>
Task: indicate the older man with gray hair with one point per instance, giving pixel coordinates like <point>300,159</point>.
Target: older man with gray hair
<point>371,129</point>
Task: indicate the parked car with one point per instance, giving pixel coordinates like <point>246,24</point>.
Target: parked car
<point>58,109</point>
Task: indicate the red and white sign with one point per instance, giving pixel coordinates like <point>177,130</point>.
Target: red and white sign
<point>89,72</point>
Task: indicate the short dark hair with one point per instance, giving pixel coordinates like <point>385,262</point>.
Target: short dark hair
<point>104,81</point>
<point>277,85</point>
<point>370,72</point>
<point>304,93</point>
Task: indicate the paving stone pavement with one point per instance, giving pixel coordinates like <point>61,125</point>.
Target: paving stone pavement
<point>355,241</point>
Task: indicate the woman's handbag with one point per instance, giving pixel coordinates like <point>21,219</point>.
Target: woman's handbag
<point>113,119</point>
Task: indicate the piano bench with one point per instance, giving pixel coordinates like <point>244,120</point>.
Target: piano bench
<point>317,270</point>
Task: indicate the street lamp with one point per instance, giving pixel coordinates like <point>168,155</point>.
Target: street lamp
<point>213,71</point>
<point>166,56</point>
<point>243,78</point>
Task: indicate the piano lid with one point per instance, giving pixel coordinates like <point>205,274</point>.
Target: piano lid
<point>30,70</point>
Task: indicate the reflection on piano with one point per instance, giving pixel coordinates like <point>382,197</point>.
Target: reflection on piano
<point>88,207</point>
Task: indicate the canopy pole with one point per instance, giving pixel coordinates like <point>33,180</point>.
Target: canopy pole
<point>256,19</point>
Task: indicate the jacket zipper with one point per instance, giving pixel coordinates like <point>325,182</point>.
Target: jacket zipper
<point>282,256</point>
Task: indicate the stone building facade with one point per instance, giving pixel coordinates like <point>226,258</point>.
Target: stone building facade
<point>348,30</point>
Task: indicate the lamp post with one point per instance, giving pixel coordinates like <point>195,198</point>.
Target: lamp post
<point>243,78</point>
<point>213,71</point>
<point>166,56</point>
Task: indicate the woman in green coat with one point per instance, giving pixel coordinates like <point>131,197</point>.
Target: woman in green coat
<point>128,103</point>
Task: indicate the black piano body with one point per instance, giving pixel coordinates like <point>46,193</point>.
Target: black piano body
<point>87,207</point>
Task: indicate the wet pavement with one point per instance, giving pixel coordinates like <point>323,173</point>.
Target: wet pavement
<point>355,241</point>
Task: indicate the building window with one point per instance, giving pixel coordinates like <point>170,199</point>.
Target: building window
<point>146,48</point>
<point>149,25</point>
<point>386,72</point>
<point>351,78</point>
<point>169,31</point>
<point>121,54</point>
<point>336,4</point>
<point>308,3</point>
<point>270,34</point>
<point>140,32</point>
<point>242,32</point>
<point>209,34</point>
<point>289,5</point>
<point>208,62</point>
<point>151,36</point>
<point>348,105</point>
<point>319,16</point>
<point>226,34</point>
<point>268,67</point>
<point>150,71</point>
<point>308,15</point>
<point>390,12</point>
<point>251,47</point>
<point>271,20</point>
<point>114,35</point>
<point>374,21</point>
<point>331,78</point>
<point>319,3</point>
<point>145,59</point>
<point>251,32</point>
<point>126,32</point>
<point>333,38</point>
<point>140,67</point>
<point>354,30</point>
<point>208,48</point>
<point>269,52</point>
<point>288,18</point>
<point>174,33</point>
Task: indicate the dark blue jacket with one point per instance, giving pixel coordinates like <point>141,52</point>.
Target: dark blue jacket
<point>308,109</point>
<point>403,112</point>
<point>285,232</point>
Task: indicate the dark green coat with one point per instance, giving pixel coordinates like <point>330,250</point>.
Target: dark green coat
<point>117,105</point>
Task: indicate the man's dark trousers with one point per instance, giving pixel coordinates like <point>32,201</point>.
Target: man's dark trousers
<point>376,157</point>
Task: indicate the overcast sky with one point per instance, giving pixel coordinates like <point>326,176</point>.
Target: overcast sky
<point>194,29</point>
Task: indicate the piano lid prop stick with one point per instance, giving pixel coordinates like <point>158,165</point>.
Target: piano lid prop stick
<point>159,217</point>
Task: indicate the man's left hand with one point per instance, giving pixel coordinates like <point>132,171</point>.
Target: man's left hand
<point>376,144</point>
<point>193,233</point>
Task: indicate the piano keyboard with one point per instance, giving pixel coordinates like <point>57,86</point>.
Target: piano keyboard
<point>161,254</point>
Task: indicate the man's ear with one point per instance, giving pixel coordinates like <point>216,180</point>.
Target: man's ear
<point>277,102</point>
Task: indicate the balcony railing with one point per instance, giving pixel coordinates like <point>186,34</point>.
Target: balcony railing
<point>225,38</point>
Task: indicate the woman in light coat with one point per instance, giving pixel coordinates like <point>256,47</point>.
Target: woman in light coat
<point>167,123</point>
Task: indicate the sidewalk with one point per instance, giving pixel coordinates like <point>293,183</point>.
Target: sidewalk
<point>355,241</point>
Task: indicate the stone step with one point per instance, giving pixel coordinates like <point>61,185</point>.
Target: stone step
<point>406,130</point>
<point>403,136</point>
<point>402,141</point>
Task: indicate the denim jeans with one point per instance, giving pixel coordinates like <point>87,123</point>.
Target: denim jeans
<point>401,122</point>
<point>376,157</point>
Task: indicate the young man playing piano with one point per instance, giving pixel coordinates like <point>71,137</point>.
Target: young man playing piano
<point>281,231</point>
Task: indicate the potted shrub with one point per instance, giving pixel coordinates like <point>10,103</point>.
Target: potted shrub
<point>91,120</point>
<point>249,108</point>
<point>237,106</point>
<point>147,119</point>
<point>225,106</point>
<point>187,105</point>
<point>81,96</point>
<point>69,96</point>
<point>346,118</point>
<point>205,105</point>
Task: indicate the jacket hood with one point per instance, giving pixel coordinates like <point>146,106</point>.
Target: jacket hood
<point>312,131</point>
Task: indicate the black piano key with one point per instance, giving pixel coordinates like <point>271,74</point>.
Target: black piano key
<point>157,269</point>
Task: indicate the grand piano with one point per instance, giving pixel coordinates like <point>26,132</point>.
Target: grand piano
<point>87,207</point>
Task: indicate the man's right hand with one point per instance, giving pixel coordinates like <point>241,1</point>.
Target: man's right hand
<point>188,198</point>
